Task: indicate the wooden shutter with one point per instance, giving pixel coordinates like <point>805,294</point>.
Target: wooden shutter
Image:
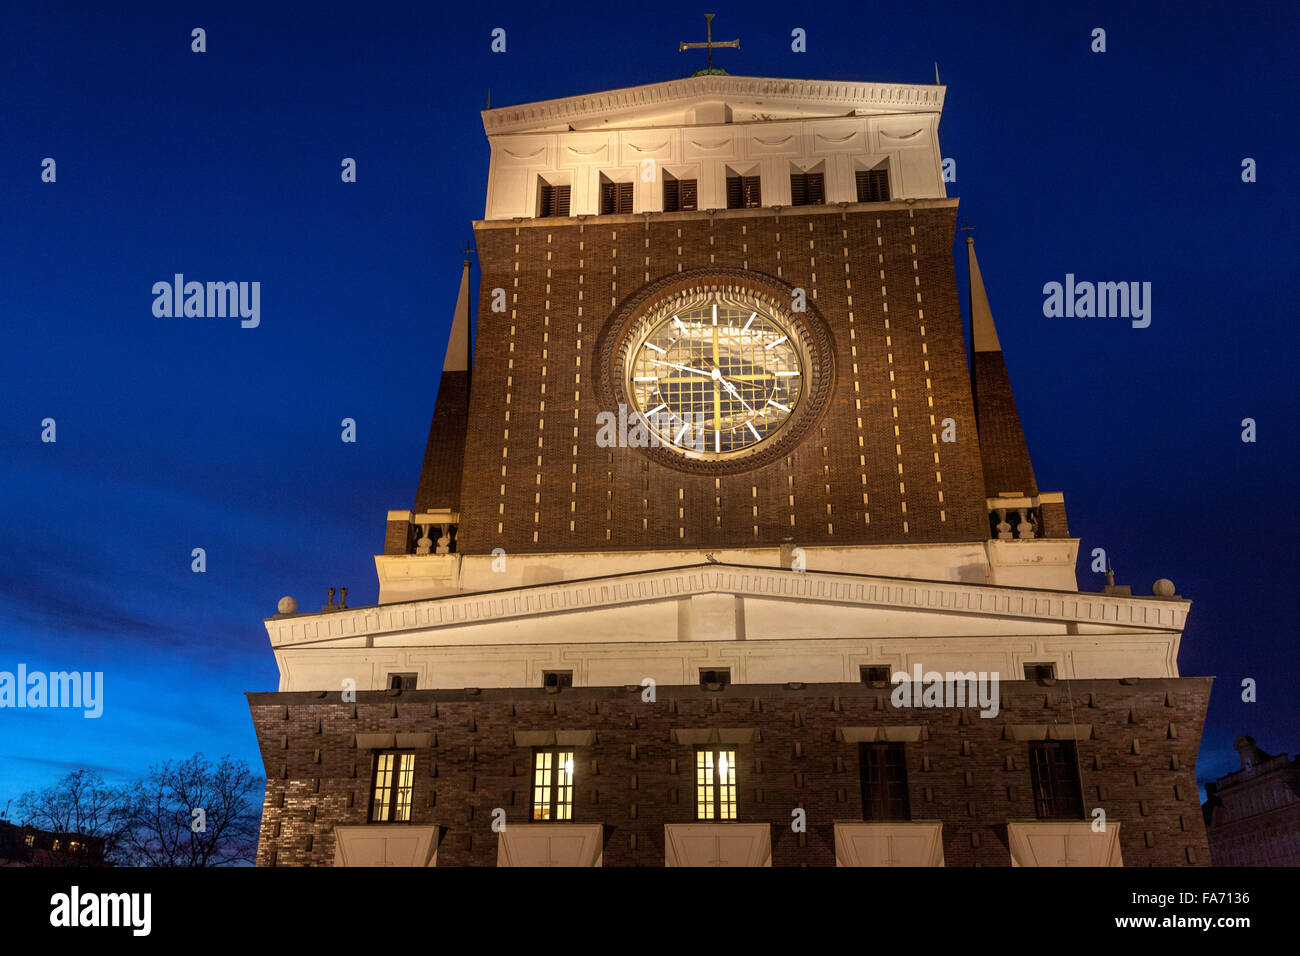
<point>798,189</point>
<point>546,202</point>
<point>816,189</point>
<point>752,193</point>
<point>873,185</point>
<point>607,198</point>
<point>672,195</point>
<point>561,200</point>
<point>623,202</point>
<point>688,194</point>
<point>735,193</point>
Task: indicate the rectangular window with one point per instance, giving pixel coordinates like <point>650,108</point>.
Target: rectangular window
<point>874,673</point>
<point>1040,671</point>
<point>557,678</point>
<point>615,198</point>
<point>553,785</point>
<point>552,201</point>
<point>743,192</point>
<point>807,189</point>
<point>716,678</point>
<point>884,782</point>
<point>679,194</point>
<point>1054,771</point>
<point>401,682</point>
<point>715,784</point>
<point>873,185</point>
<point>390,801</point>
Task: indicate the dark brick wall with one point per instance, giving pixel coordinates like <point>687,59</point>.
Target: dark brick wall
<point>1140,765</point>
<point>563,281</point>
<point>1002,440</point>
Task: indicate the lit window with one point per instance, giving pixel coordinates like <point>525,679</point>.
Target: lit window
<point>553,785</point>
<point>394,783</point>
<point>715,784</point>
<point>31,839</point>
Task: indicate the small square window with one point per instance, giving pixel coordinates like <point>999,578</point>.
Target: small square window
<point>715,679</point>
<point>1040,672</point>
<point>874,673</point>
<point>401,682</point>
<point>557,679</point>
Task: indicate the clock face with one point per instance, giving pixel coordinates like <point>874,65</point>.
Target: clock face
<point>716,379</point>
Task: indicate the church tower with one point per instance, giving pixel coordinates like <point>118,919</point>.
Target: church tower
<point>718,527</point>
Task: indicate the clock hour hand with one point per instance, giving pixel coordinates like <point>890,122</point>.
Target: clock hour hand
<point>735,393</point>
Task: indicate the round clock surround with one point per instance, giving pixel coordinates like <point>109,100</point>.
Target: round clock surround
<point>728,376</point>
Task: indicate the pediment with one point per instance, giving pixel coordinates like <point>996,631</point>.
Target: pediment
<point>748,98</point>
<point>725,602</point>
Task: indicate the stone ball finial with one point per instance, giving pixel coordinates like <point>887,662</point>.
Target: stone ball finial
<point>287,605</point>
<point>1163,588</point>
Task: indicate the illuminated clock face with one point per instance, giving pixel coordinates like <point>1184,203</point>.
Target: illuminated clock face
<point>716,379</point>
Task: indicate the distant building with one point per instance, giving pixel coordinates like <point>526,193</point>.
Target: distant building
<point>1252,816</point>
<point>27,846</point>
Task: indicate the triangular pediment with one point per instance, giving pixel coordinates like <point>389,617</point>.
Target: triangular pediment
<point>703,99</point>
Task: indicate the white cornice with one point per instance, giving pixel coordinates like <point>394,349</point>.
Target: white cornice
<point>843,96</point>
<point>769,583</point>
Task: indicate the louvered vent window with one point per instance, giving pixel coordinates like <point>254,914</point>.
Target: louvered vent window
<point>807,189</point>
<point>554,201</point>
<point>615,198</point>
<point>873,185</point>
<point>679,195</point>
<point>743,192</point>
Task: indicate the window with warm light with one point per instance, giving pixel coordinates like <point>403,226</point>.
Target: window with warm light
<point>552,785</point>
<point>715,784</point>
<point>394,786</point>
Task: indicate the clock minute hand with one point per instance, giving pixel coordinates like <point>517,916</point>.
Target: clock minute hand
<point>684,368</point>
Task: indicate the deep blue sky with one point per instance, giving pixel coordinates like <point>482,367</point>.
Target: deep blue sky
<point>183,433</point>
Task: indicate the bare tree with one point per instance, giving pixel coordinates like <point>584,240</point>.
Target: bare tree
<point>190,813</point>
<point>82,804</point>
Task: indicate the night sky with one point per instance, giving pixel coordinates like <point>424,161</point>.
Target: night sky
<point>181,433</point>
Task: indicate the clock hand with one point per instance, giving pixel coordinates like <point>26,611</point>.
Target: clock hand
<point>684,368</point>
<point>735,393</point>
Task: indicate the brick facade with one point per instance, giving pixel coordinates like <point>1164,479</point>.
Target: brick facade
<point>1139,765</point>
<point>880,277</point>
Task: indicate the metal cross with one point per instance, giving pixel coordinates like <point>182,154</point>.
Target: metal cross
<point>468,250</point>
<point>708,44</point>
<point>968,228</point>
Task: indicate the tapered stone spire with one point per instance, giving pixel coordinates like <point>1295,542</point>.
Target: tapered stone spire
<point>444,455</point>
<point>1007,468</point>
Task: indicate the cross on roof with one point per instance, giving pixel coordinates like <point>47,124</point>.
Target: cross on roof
<point>708,44</point>
<point>968,228</point>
